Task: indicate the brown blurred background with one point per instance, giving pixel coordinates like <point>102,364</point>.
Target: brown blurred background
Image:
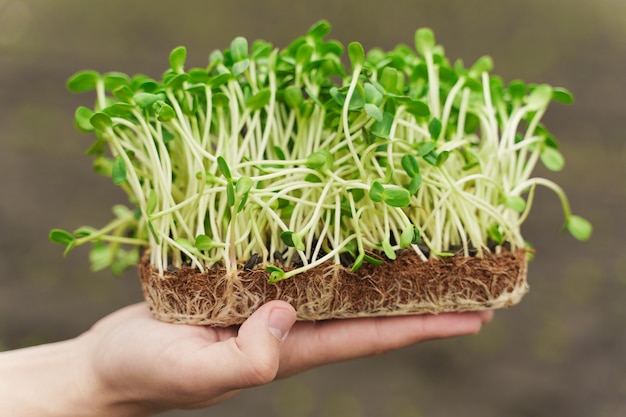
<point>560,353</point>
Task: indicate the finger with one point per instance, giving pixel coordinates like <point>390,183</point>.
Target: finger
<point>486,316</point>
<point>252,358</point>
<point>314,344</point>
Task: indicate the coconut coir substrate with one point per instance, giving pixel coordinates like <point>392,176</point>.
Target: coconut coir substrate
<point>407,285</point>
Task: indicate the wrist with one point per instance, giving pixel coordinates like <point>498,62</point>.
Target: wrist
<point>55,379</point>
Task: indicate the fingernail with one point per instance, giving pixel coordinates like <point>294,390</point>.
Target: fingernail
<point>280,322</point>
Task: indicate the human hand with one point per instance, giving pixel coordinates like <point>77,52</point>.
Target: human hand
<point>130,364</point>
<point>146,366</point>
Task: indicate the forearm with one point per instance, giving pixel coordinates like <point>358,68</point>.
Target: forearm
<point>54,380</point>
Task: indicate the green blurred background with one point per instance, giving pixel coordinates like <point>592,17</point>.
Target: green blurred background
<point>560,352</point>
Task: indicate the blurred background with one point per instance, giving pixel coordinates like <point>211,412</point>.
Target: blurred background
<point>560,352</point>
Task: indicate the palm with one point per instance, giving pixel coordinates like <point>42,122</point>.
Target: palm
<point>188,366</point>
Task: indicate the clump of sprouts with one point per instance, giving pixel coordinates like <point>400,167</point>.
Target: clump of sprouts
<point>287,159</point>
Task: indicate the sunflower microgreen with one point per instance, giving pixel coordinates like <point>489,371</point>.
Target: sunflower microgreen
<point>299,156</point>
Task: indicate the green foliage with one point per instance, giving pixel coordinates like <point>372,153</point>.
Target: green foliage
<point>271,151</point>
<point>83,81</point>
<point>579,227</point>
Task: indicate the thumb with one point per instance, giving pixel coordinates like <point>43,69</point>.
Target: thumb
<point>254,354</point>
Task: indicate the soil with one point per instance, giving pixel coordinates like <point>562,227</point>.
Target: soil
<point>405,285</point>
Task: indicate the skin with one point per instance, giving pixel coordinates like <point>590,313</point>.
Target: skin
<point>130,365</point>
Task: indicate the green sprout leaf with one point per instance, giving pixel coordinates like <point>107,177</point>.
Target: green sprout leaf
<point>374,112</point>
<point>276,273</point>
<point>418,108</point>
<point>124,259</point>
<point>119,170</point>
<point>224,168</point>
<point>292,239</point>
<point>376,192</point>
<point>396,197</point>
<point>389,252</point>
<point>389,80</point>
<point>372,260</point>
<point>431,158</point>
<point>382,128</point>
<point>434,128</point>
<point>115,80</point>
<point>372,94</point>
<point>164,111</point>
<point>356,54</point>
<point>146,100</point>
<point>483,64</point>
<point>358,262</point>
<point>152,202</point>
<point>218,80</point>
<point>407,236</point>
<point>364,257</point>
<point>319,30</point>
<point>562,95</point>
<point>516,203</point>
<point>303,55</point>
<point>239,49</point>
<point>100,121</point>
<point>64,238</point>
<point>240,67</point>
<point>410,165</point>
<point>540,97</point>
<point>153,232</point>
<point>320,159</point>
<point>61,236</point>
<point>442,157</point>
<point>82,117</point>
<point>100,257</point>
<point>495,234</point>
<point>119,109</point>
<point>517,89</point>
<point>205,243</point>
<point>579,227</point>
<point>424,41</point>
<point>530,251</point>
<point>415,183</point>
<point>186,244</point>
<point>259,100</point>
<point>83,81</point>
<point>293,96</point>
<point>425,148</point>
<point>230,193</point>
<point>84,231</point>
<point>244,184</point>
<point>552,158</point>
<point>177,81</point>
<point>177,59</point>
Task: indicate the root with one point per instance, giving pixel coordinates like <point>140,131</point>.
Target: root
<point>408,285</point>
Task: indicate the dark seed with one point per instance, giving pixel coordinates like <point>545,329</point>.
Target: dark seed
<point>251,263</point>
<point>346,259</point>
<point>425,250</point>
<point>456,249</point>
<point>278,257</point>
